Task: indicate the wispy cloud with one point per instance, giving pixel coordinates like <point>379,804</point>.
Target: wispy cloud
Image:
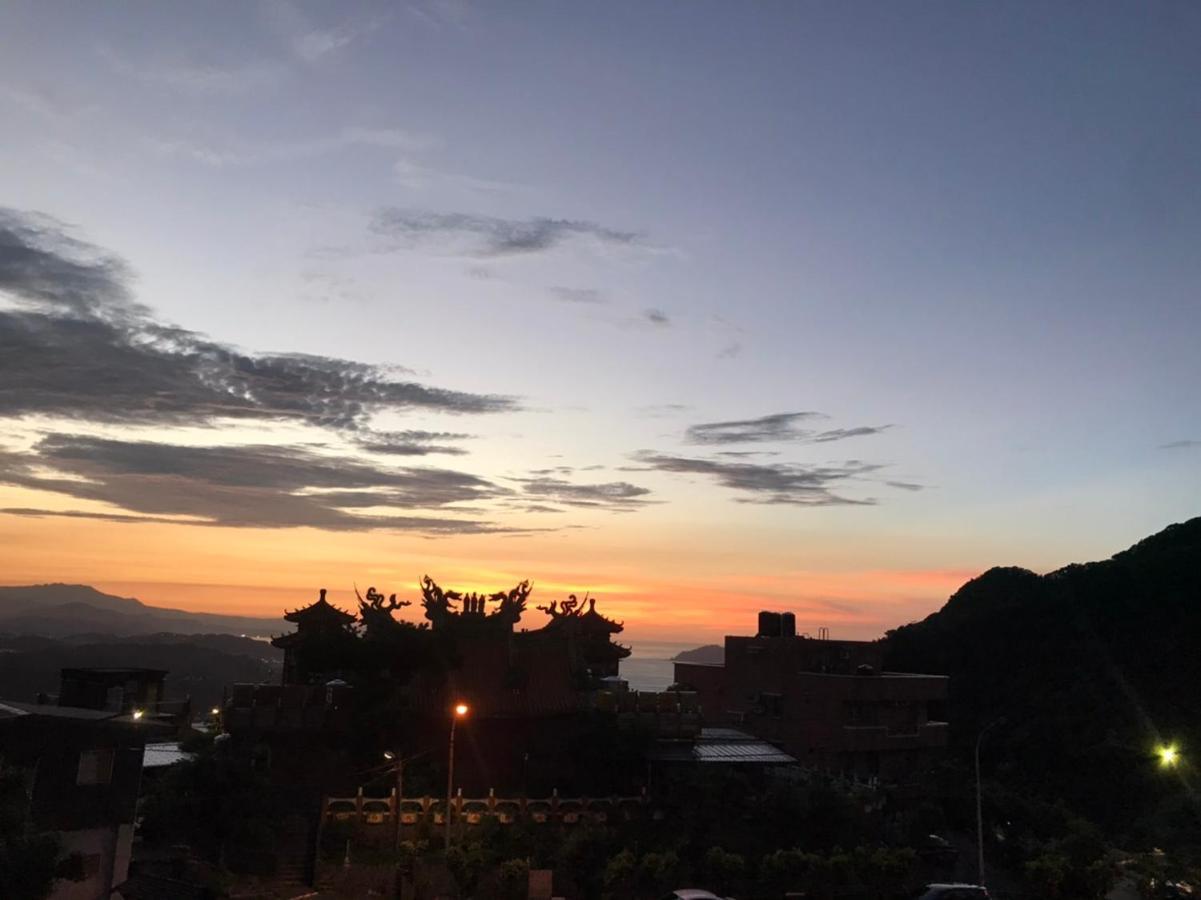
<point>246,486</point>
<point>777,427</point>
<point>1180,445</point>
<point>616,496</point>
<point>411,443</point>
<point>241,152</point>
<point>577,295</point>
<point>47,104</point>
<point>416,176</point>
<point>489,236</point>
<point>776,483</point>
<point>76,345</point>
<point>656,317</point>
<point>662,410</point>
<point>310,41</point>
<point>198,76</point>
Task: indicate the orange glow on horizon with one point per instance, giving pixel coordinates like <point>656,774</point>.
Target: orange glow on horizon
<point>662,589</point>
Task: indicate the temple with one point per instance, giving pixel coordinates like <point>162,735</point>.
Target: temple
<point>376,681</point>
<point>320,643</point>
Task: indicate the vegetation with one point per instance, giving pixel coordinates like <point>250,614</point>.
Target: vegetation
<point>30,862</point>
<point>1082,673</point>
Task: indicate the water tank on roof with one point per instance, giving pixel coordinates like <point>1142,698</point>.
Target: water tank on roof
<point>787,624</point>
<point>769,624</point>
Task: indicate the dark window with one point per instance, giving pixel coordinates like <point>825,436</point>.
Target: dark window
<point>95,767</point>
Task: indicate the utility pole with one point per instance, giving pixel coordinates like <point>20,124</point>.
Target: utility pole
<point>400,775</point>
<point>979,810</point>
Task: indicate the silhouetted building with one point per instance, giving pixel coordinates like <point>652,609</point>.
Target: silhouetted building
<point>319,648</point>
<point>84,767</point>
<point>825,702</point>
<point>392,684</point>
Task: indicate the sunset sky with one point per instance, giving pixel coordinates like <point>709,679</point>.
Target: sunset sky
<point>701,307</point>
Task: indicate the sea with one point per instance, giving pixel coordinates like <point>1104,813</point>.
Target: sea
<point>649,666</point>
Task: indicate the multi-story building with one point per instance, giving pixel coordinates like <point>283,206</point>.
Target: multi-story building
<point>825,702</point>
<point>84,768</point>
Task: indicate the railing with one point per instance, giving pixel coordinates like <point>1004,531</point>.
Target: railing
<point>476,810</point>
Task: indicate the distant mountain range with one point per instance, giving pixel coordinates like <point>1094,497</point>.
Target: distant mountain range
<point>1080,674</point>
<point>47,627</point>
<point>66,610</point>
<point>709,654</point>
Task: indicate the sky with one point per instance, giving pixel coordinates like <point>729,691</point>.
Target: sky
<point>700,307</point>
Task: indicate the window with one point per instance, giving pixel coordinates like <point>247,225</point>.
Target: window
<point>95,767</point>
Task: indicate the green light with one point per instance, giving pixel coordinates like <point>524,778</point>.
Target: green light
<point>1169,756</point>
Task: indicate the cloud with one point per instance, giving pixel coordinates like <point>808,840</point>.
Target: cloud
<point>777,427</point>
<point>47,104</point>
<point>838,434</point>
<point>489,236</point>
<point>43,266</point>
<point>618,496</point>
<point>309,41</point>
<point>418,177</point>
<point>656,317</point>
<point>730,350</point>
<point>662,410</point>
<point>246,486</point>
<point>411,443</point>
<point>777,483</point>
<point>906,485</point>
<point>577,295</point>
<point>77,346</point>
<point>239,152</point>
<point>1180,445</point>
<point>200,77</point>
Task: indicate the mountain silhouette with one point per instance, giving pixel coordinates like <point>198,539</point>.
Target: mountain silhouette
<point>1090,668</point>
<point>63,610</point>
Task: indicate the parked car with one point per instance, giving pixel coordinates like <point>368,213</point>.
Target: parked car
<point>953,892</point>
<point>938,851</point>
<point>693,894</point>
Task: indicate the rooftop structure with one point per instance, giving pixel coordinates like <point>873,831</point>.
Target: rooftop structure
<point>84,767</point>
<point>825,702</point>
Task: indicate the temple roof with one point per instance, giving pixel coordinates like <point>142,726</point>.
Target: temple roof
<point>320,614</point>
<point>592,620</point>
<point>580,619</point>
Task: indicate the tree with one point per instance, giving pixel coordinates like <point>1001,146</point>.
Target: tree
<point>30,863</point>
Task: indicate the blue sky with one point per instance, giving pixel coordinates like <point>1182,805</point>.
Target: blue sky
<point>964,234</point>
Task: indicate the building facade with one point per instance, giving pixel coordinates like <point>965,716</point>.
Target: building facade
<point>825,702</point>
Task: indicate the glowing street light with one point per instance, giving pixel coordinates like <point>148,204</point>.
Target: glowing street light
<point>138,713</point>
<point>460,712</point>
<point>1169,756</point>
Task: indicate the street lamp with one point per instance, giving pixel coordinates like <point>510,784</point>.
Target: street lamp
<point>460,711</point>
<point>979,812</point>
<point>1169,756</point>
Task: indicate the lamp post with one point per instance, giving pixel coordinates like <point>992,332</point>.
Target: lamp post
<point>398,765</point>
<point>400,774</point>
<point>979,811</point>
<point>459,712</point>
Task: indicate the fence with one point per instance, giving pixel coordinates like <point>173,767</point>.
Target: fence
<point>364,810</point>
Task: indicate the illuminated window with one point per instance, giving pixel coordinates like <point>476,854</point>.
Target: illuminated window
<point>95,767</point>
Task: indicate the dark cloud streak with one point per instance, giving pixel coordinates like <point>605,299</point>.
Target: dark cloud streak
<point>776,483</point>
<point>76,346</point>
<point>247,486</point>
<point>777,427</point>
<point>487,236</point>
